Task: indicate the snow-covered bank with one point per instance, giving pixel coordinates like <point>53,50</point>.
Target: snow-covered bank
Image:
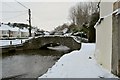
<point>14,42</point>
<point>78,64</point>
<point>59,48</point>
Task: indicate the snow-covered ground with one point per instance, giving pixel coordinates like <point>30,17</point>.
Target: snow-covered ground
<point>14,42</point>
<point>78,64</point>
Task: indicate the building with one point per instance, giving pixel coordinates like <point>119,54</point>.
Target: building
<point>33,32</point>
<point>5,31</point>
<point>107,38</point>
<point>24,32</point>
<point>14,32</point>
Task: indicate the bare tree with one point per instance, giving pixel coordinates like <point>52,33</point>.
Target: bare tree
<point>80,14</point>
<point>84,15</point>
<point>72,15</point>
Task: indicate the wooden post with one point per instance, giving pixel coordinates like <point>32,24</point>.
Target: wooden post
<point>29,13</point>
<point>10,42</point>
<point>21,41</point>
<point>116,40</point>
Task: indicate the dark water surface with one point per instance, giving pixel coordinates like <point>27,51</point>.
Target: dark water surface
<point>28,64</point>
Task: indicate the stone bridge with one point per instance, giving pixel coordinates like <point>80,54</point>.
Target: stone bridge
<point>39,42</point>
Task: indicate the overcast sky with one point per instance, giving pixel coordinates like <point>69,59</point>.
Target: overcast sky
<point>45,15</point>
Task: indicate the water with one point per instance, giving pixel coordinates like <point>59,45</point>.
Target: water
<point>28,64</point>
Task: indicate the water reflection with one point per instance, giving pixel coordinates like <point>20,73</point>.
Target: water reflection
<point>28,64</point>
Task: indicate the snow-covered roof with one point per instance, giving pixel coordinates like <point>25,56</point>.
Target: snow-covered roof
<point>24,30</point>
<point>5,27</point>
<point>15,29</point>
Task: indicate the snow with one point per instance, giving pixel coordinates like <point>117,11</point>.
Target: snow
<point>67,34</point>
<point>65,30</point>
<point>5,27</point>
<point>15,29</point>
<point>24,30</point>
<point>46,33</point>
<point>118,11</point>
<point>14,42</point>
<point>59,48</point>
<point>32,31</point>
<point>77,39</point>
<point>78,64</point>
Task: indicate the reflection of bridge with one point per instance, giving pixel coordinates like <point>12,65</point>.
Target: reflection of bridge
<point>40,42</point>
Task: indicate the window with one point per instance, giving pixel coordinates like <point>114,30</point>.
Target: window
<point>4,32</point>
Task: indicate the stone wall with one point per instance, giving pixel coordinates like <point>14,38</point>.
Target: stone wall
<point>37,43</point>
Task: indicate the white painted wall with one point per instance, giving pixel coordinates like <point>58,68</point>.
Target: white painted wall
<point>4,33</point>
<point>15,34</point>
<point>24,34</point>
<point>103,50</point>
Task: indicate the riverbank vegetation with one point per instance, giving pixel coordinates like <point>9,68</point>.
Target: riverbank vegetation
<point>83,17</point>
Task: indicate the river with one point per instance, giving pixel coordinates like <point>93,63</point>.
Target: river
<point>28,64</point>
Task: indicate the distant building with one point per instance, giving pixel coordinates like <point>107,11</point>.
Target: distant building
<point>33,33</point>
<point>46,33</point>
<point>24,32</point>
<point>15,32</point>
<point>7,31</point>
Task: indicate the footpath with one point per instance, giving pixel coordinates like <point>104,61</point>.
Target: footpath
<point>78,64</point>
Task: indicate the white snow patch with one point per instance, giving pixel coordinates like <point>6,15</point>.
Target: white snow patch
<point>24,30</point>
<point>14,42</point>
<point>78,64</point>
<point>5,27</point>
<point>65,30</point>
<point>15,29</point>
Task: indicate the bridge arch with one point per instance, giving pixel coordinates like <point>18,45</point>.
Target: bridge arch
<point>39,42</point>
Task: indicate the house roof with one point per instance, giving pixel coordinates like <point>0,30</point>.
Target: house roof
<point>24,30</point>
<point>15,29</point>
<point>5,27</point>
